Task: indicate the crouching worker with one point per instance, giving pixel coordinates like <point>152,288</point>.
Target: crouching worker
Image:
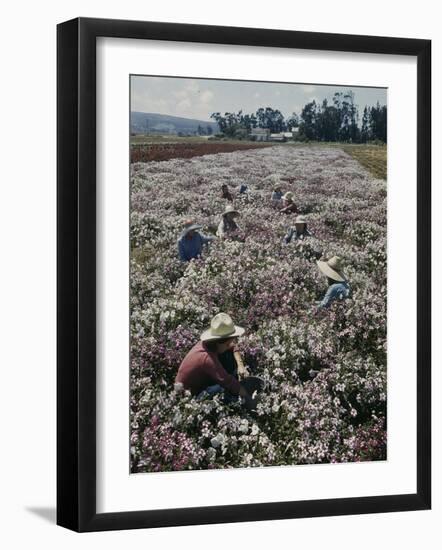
<point>277,195</point>
<point>288,205</point>
<point>298,232</point>
<point>228,228</point>
<point>210,366</point>
<point>338,286</point>
<point>225,193</point>
<point>190,242</point>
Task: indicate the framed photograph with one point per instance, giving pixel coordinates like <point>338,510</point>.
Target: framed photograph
<point>243,274</point>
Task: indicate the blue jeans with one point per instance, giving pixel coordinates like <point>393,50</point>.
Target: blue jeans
<point>216,388</point>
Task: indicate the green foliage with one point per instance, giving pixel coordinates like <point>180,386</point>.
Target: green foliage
<point>324,122</point>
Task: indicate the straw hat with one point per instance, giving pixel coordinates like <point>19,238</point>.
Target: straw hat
<point>190,225</point>
<point>333,268</point>
<point>230,210</point>
<point>300,219</point>
<point>288,196</point>
<point>221,327</point>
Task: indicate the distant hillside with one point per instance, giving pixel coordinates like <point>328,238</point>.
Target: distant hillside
<point>154,123</point>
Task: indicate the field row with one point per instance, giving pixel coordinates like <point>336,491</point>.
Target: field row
<point>166,151</point>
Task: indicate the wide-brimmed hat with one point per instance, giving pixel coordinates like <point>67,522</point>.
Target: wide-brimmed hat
<point>288,196</point>
<point>221,327</point>
<point>190,225</point>
<point>230,210</point>
<point>300,219</point>
<point>333,268</point>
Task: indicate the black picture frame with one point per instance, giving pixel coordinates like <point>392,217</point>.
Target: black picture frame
<point>76,274</point>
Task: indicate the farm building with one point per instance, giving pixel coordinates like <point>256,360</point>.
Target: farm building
<point>263,134</point>
<point>260,134</point>
<point>277,137</point>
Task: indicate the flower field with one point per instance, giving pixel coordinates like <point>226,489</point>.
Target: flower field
<point>325,399</point>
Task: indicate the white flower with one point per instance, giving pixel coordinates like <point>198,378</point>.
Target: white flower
<point>244,427</point>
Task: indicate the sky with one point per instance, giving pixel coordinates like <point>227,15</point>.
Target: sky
<point>199,98</point>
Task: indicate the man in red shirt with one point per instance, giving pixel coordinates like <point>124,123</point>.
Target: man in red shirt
<point>202,372</point>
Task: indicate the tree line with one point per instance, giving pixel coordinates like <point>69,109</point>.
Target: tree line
<point>334,121</point>
<point>233,123</point>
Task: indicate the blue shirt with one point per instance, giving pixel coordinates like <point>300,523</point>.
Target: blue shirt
<point>277,195</point>
<point>337,291</point>
<point>192,247</point>
<point>292,234</point>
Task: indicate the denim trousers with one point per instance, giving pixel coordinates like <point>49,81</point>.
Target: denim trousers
<point>213,390</point>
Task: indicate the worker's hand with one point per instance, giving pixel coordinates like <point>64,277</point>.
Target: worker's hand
<point>242,370</point>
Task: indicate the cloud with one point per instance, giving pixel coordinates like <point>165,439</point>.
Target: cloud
<point>192,100</point>
<point>193,86</point>
<point>308,89</point>
<point>180,94</point>
<point>206,96</point>
<point>186,89</point>
<point>184,104</point>
<point>145,103</point>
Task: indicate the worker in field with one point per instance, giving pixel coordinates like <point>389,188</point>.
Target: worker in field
<point>191,241</point>
<point>243,194</point>
<point>288,205</point>
<point>228,227</point>
<point>277,195</point>
<point>225,193</point>
<point>338,285</point>
<point>298,232</point>
<point>214,365</point>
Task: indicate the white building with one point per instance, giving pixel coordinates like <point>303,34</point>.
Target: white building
<point>260,134</point>
<point>277,137</point>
